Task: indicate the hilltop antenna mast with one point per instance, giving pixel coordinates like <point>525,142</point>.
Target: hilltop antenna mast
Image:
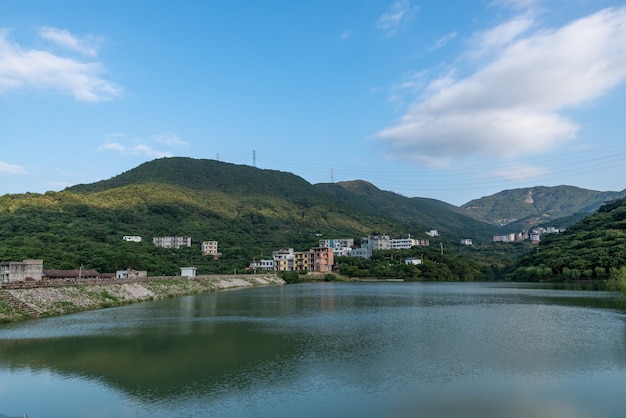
<point>253,158</point>
<point>332,175</point>
<point>217,156</point>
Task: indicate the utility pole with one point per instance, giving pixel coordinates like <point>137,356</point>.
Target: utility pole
<point>441,243</point>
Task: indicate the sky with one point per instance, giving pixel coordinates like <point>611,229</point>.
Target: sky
<point>451,100</point>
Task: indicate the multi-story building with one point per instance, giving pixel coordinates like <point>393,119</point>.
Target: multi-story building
<point>172,242</point>
<point>323,259</point>
<point>20,271</point>
<point>283,259</point>
<point>302,261</point>
<point>341,246</point>
<point>209,248</point>
<point>401,243</point>
<point>377,242</point>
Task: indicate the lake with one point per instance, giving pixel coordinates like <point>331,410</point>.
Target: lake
<point>327,349</point>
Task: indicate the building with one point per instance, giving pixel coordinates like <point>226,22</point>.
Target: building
<point>401,243</point>
<point>433,233</point>
<point>74,274</point>
<point>467,241</point>
<point>209,248</point>
<point>172,242</point>
<point>377,242</point>
<point>21,271</point>
<point>361,252</point>
<point>189,272</point>
<point>302,261</point>
<point>341,246</point>
<point>283,259</point>
<point>413,260</point>
<point>130,274</point>
<point>323,259</point>
<point>133,238</point>
<point>267,265</point>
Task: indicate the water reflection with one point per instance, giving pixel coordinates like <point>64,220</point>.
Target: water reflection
<point>333,349</point>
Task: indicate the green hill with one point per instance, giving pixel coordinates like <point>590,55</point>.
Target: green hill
<point>250,211</point>
<point>593,249</point>
<point>522,208</point>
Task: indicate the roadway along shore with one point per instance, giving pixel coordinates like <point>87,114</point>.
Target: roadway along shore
<point>25,303</point>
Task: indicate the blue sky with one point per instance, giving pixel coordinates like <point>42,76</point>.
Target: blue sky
<point>449,100</point>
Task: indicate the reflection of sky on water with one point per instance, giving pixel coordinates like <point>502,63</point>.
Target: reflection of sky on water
<point>329,349</point>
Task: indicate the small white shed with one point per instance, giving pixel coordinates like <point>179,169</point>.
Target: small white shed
<point>188,272</point>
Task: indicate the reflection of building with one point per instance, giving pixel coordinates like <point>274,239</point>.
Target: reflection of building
<point>172,242</point>
<point>209,248</point>
<point>21,271</point>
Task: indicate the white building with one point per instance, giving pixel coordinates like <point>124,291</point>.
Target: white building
<point>401,243</point>
<point>209,248</point>
<point>466,241</point>
<point>189,272</point>
<point>133,238</point>
<point>130,274</point>
<point>172,242</point>
<point>413,260</point>
<point>341,246</point>
<point>262,264</point>
<point>433,233</point>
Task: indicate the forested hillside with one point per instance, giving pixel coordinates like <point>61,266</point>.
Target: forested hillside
<point>593,249</point>
<point>249,211</point>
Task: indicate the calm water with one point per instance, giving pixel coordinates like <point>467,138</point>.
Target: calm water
<point>331,350</point>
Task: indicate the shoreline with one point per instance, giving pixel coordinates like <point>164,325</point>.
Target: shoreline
<point>22,303</point>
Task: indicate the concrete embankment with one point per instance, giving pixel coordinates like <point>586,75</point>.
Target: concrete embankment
<point>25,302</point>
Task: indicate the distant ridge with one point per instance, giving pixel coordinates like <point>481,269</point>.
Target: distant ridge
<point>535,205</point>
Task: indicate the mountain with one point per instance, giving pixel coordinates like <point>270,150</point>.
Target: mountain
<point>522,208</point>
<point>593,249</point>
<point>249,211</point>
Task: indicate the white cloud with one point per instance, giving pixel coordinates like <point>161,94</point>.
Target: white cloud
<point>170,139</point>
<point>347,34</point>
<point>87,45</point>
<point>22,68</point>
<point>137,149</point>
<point>441,42</point>
<point>6,168</point>
<point>398,14</point>
<point>514,104</point>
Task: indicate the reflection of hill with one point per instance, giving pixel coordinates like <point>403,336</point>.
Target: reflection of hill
<point>159,362</point>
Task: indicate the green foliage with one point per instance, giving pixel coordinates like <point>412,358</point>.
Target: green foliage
<point>290,277</point>
<point>251,212</point>
<point>593,249</point>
